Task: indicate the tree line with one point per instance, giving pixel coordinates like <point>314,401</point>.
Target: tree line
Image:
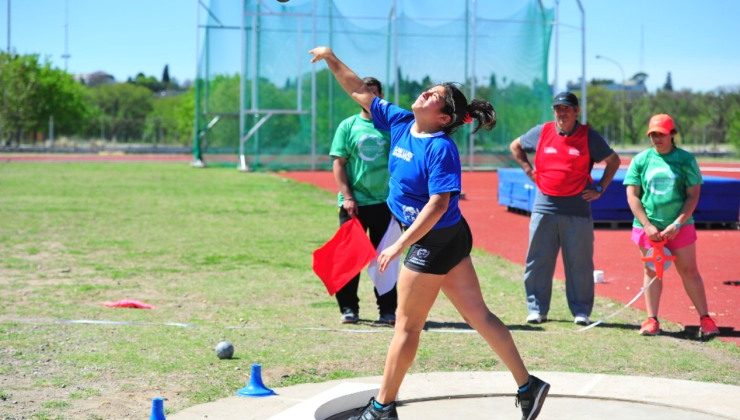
<point>710,118</point>
<point>38,98</point>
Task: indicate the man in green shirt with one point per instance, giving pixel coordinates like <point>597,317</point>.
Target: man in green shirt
<point>360,170</point>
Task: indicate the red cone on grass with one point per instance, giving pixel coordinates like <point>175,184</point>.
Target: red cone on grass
<point>128,303</point>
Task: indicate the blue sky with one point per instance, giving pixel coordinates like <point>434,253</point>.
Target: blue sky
<point>697,41</point>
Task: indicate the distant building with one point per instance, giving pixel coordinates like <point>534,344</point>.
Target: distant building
<point>95,78</point>
<point>633,86</point>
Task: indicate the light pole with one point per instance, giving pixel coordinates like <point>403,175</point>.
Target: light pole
<point>621,70</point>
<point>8,27</point>
<point>66,55</point>
<point>584,92</point>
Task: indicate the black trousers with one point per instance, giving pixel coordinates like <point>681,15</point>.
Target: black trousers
<point>374,218</point>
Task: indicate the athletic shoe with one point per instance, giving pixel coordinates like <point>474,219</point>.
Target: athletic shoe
<point>371,413</point>
<point>581,320</point>
<point>532,399</point>
<point>349,316</point>
<point>708,327</point>
<point>536,318</point>
<point>388,319</point>
<point>651,326</point>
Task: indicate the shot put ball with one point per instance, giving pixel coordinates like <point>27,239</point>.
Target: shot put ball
<point>224,350</point>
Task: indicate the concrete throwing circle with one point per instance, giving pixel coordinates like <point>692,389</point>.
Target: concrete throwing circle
<point>489,395</point>
<point>556,407</point>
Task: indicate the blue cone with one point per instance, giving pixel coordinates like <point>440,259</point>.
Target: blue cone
<point>255,387</point>
<point>157,409</point>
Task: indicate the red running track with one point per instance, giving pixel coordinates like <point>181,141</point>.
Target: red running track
<point>505,233</point>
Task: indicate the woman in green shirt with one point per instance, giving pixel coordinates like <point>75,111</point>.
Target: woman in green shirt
<point>663,186</point>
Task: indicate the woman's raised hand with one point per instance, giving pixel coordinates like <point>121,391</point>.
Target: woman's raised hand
<point>320,53</point>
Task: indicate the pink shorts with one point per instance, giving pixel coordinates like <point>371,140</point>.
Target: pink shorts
<point>686,236</point>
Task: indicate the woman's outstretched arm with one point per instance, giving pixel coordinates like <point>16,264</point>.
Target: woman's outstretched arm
<point>349,81</point>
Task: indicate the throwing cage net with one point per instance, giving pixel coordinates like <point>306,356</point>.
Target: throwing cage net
<point>260,104</point>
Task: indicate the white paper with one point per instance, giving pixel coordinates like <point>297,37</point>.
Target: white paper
<point>385,281</point>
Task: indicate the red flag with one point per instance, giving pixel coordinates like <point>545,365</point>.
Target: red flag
<point>343,256</point>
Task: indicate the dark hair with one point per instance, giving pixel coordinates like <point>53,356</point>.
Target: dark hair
<point>373,82</point>
<point>457,107</point>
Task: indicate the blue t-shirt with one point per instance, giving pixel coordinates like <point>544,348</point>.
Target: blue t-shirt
<point>420,166</point>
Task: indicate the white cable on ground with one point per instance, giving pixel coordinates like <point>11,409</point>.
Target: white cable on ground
<point>637,296</point>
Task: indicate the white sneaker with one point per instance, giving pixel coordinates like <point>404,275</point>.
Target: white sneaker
<point>349,317</point>
<point>581,320</point>
<point>535,318</point>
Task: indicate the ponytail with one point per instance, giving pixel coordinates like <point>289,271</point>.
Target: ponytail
<point>462,112</point>
<point>483,112</point>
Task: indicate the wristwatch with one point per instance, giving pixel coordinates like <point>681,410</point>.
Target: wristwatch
<point>599,189</point>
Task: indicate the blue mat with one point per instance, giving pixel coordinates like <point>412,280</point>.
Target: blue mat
<point>719,202</point>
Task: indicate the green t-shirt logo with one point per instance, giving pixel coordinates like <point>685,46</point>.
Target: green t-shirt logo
<point>660,180</point>
<point>370,147</point>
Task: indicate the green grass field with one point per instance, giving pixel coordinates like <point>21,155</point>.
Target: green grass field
<point>229,254</point>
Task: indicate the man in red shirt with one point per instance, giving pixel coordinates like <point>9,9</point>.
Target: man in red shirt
<point>565,151</point>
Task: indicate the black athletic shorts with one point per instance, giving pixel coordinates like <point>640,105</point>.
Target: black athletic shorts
<point>440,250</point>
